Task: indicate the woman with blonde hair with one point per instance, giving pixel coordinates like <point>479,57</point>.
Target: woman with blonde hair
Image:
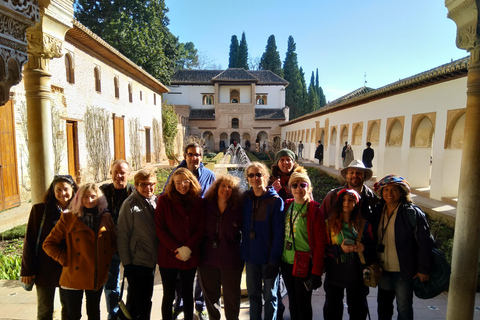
<point>304,232</point>
<point>180,226</point>
<point>262,243</point>
<point>90,237</point>
<point>221,265</point>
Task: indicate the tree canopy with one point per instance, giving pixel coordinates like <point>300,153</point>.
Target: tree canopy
<point>232,61</point>
<point>139,30</point>
<point>271,58</point>
<point>293,94</point>
<point>242,57</point>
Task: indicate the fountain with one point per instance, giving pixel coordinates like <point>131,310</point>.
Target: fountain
<point>233,162</point>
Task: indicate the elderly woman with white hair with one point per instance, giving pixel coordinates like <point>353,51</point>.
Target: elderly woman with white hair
<point>404,246</point>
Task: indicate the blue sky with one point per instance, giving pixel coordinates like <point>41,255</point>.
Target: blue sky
<point>344,39</point>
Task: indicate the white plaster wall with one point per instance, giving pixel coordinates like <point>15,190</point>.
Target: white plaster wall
<point>245,93</point>
<point>190,95</point>
<point>275,96</point>
<point>437,98</point>
<point>81,94</point>
<point>419,167</point>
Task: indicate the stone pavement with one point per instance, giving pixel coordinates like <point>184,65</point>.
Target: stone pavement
<point>16,303</point>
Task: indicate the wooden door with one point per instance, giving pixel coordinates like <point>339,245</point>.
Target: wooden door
<point>72,150</point>
<point>9,189</point>
<point>119,137</point>
<point>148,150</point>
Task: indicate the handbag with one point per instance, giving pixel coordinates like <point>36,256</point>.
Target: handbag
<point>301,264</point>
<point>29,287</point>
<point>372,272</point>
<point>301,261</point>
<point>122,312</point>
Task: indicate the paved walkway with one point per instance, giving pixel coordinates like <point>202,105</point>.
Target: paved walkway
<point>15,303</point>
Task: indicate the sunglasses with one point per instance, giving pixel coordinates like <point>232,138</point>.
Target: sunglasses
<point>302,185</point>
<point>258,175</point>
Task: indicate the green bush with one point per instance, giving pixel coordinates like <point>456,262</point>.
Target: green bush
<point>321,184</point>
<point>14,233</point>
<point>162,176</point>
<point>10,266</point>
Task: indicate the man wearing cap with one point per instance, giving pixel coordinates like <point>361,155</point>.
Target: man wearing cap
<point>355,175</point>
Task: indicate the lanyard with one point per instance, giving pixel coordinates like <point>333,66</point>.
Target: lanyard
<point>292,222</point>
<point>384,229</point>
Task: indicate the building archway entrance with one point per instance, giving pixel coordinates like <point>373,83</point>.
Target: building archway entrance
<point>235,137</point>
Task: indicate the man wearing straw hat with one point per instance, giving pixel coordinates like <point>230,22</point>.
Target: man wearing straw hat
<point>355,176</point>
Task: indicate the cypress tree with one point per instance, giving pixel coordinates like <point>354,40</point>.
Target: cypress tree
<point>271,58</point>
<point>232,60</point>
<point>322,101</point>
<point>242,57</point>
<point>293,92</point>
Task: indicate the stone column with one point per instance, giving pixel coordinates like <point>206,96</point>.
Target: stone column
<point>461,295</point>
<point>45,42</point>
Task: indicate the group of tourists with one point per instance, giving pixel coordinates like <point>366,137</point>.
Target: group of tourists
<point>206,227</point>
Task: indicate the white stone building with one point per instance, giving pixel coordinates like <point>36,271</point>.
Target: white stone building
<point>234,104</point>
<point>416,127</point>
<point>90,74</point>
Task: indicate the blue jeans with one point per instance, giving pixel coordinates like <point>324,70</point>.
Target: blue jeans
<point>113,285</point>
<point>255,276</point>
<point>392,285</point>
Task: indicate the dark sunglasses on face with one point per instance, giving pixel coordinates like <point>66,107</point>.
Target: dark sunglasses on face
<point>302,185</point>
<point>258,175</point>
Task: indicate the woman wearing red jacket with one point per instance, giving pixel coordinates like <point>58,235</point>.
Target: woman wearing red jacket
<point>180,226</point>
<point>304,231</point>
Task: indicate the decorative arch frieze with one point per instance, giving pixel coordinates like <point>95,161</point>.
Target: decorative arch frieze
<point>423,127</point>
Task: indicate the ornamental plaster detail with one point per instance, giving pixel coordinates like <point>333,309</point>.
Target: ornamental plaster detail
<point>26,8</point>
<point>43,44</point>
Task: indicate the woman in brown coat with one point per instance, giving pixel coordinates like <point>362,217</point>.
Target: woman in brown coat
<point>37,266</point>
<point>91,241</point>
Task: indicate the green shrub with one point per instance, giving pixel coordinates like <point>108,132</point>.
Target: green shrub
<point>14,233</point>
<point>321,184</point>
<point>162,176</point>
<point>10,266</point>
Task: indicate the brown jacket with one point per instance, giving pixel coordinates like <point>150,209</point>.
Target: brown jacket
<point>86,260</point>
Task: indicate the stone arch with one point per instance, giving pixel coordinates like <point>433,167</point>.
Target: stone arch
<point>456,131</point>
<point>373,132</point>
<point>333,137</point>
<point>209,141</point>
<point>422,132</point>
<point>234,136</point>
<point>276,143</point>
<point>357,134</point>
<point>262,136</point>
<point>395,133</point>
<point>69,69</point>
<point>224,142</point>
<point>234,96</point>
<point>343,134</point>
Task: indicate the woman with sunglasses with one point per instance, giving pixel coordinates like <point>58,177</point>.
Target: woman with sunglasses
<point>90,237</point>
<point>221,266</point>
<point>180,226</point>
<point>262,243</point>
<point>36,264</point>
<point>304,231</point>
<point>344,270</point>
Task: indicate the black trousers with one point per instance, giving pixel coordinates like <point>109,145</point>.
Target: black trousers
<point>356,301</point>
<point>73,300</point>
<point>299,298</point>
<point>169,278</point>
<point>140,292</point>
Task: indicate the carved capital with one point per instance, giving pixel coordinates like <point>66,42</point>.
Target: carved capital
<point>466,16</point>
<point>43,44</point>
